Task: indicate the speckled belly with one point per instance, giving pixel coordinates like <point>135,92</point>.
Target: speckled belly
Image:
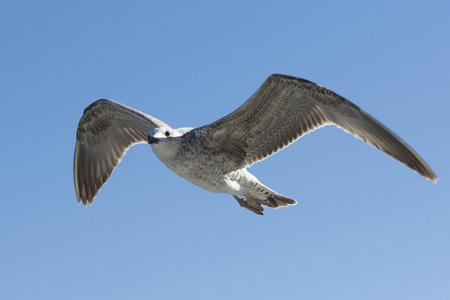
<point>217,175</point>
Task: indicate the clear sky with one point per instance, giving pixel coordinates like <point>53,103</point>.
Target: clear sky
<point>366,226</point>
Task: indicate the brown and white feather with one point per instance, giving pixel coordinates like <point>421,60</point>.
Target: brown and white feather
<point>105,132</point>
<point>285,108</point>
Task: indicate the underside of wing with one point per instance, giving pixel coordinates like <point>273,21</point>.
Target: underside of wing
<point>105,132</point>
<point>285,108</point>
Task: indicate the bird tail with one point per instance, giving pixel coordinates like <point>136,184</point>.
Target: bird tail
<point>266,196</point>
<point>275,200</point>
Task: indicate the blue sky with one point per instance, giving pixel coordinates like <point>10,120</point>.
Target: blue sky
<point>366,227</point>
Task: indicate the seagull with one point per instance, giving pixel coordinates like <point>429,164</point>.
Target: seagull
<point>215,157</point>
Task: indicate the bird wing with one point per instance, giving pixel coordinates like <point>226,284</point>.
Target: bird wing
<point>105,132</point>
<point>285,108</point>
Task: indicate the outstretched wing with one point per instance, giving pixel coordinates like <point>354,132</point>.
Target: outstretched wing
<point>105,132</point>
<point>285,108</point>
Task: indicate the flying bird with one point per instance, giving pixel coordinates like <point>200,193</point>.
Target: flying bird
<point>215,157</point>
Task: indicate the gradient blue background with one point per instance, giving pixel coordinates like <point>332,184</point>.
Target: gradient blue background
<point>366,227</point>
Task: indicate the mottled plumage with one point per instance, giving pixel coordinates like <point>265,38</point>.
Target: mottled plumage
<point>215,157</point>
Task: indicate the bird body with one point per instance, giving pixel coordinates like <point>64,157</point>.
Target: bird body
<point>187,156</point>
<point>215,157</point>
<point>186,152</point>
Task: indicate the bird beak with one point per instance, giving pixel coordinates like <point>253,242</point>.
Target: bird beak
<point>152,140</point>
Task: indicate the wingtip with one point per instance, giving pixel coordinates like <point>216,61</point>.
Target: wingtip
<point>80,200</point>
<point>429,174</point>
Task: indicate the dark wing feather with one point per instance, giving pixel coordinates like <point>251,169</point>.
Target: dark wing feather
<point>105,132</point>
<point>285,108</point>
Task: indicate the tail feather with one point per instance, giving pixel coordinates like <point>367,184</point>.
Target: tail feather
<point>275,200</point>
<point>265,196</point>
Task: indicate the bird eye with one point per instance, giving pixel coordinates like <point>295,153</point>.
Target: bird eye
<point>167,133</point>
